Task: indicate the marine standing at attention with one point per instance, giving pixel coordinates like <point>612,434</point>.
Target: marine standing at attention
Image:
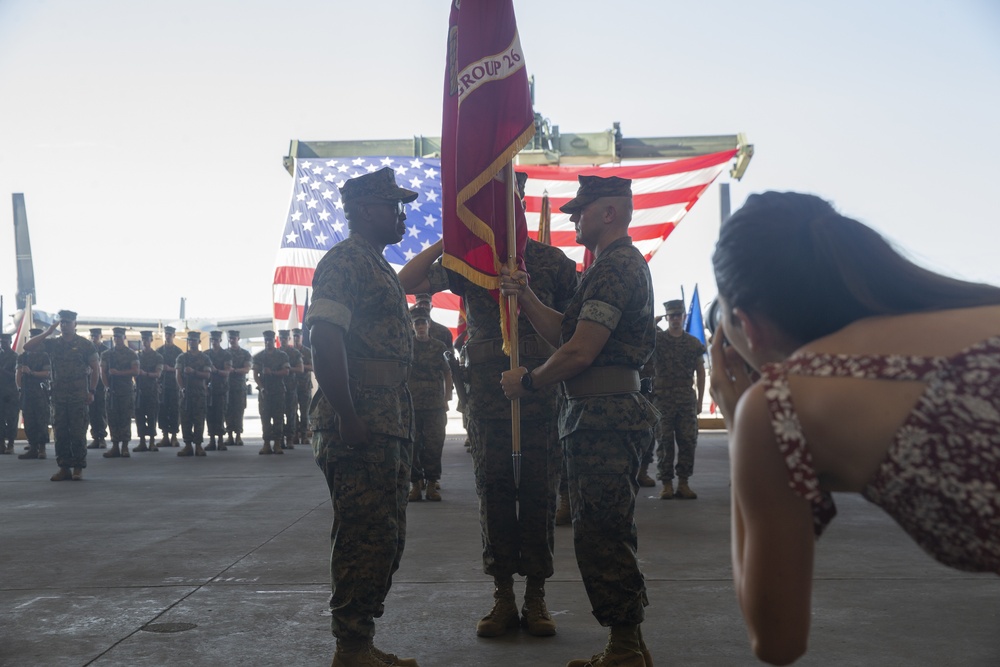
<point>270,367</point>
<point>605,336</point>
<point>362,344</point>
<point>34,370</point>
<point>194,369</point>
<point>119,366</point>
<point>237,406</point>
<point>147,399</point>
<point>169,417</point>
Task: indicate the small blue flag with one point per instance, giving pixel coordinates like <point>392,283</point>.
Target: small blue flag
<point>695,325</point>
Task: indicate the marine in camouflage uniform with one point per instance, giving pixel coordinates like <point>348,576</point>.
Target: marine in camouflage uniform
<point>679,358</point>
<point>605,422</point>
<point>437,331</point>
<point>75,371</point>
<point>97,411</point>
<point>362,416</point>
<point>119,366</point>
<point>430,386</point>
<point>33,372</point>
<point>169,413</point>
<point>517,522</point>
<point>218,391</point>
<point>237,406</point>
<point>295,370</point>
<point>10,400</point>
<point>147,393</point>
<point>303,389</point>
<point>194,369</point>
<point>270,368</point>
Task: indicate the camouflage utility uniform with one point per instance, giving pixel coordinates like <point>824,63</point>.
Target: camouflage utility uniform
<point>71,357</point>
<point>677,360</point>
<point>121,392</point>
<point>237,405</point>
<point>292,393</point>
<point>430,409</point>
<point>147,400</point>
<point>194,397</point>
<point>218,392</point>
<point>604,435</point>
<point>303,392</point>
<point>169,414</point>
<point>358,291</point>
<point>9,400</point>
<point>35,398</point>
<point>271,393</point>
<point>97,411</point>
<point>517,523</point>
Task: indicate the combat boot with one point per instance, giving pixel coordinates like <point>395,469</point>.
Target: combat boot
<point>41,451</point>
<point>393,659</point>
<point>77,474</point>
<point>63,474</point>
<point>125,452</point>
<point>141,447</point>
<point>112,453</point>
<point>356,653</point>
<point>9,449</point>
<point>222,445</point>
<point>229,440</point>
<point>152,446</point>
<point>288,443</point>
<point>239,440</point>
<point>415,489</point>
<point>668,490</point>
<point>563,514</point>
<point>644,479</point>
<point>684,491</point>
<point>32,453</point>
<point>503,616</point>
<point>165,440</point>
<point>94,444</point>
<point>188,450</point>
<point>266,449</point>
<point>432,492</point>
<point>173,440</point>
<point>646,655</point>
<point>276,447</point>
<point>623,650</point>
<point>211,444</point>
<point>199,450</point>
<point>535,617</point>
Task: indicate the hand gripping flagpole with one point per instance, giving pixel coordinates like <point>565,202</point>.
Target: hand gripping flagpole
<point>512,321</point>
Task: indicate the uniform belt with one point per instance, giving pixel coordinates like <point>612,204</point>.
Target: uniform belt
<point>602,381</point>
<point>532,346</point>
<point>378,372</point>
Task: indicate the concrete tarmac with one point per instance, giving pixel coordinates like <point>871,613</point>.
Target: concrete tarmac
<point>223,561</point>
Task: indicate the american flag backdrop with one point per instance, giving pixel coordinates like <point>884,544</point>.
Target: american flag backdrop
<point>662,194</point>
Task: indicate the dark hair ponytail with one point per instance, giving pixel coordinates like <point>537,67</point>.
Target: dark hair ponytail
<point>812,271</point>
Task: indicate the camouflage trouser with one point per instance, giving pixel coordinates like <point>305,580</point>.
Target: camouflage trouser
<point>369,489</point>
<point>216,413</point>
<point>121,407</point>
<point>193,410</point>
<point>271,406</point>
<point>602,468</point>
<point>146,407</point>
<point>9,410</point>
<point>428,442</point>
<point>98,414</point>
<point>168,417</point>
<point>291,412</point>
<point>517,524</point>
<point>236,407</point>
<point>36,419</point>
<point>69,423</point>
<point>678,420</point>
<point>304,394</point>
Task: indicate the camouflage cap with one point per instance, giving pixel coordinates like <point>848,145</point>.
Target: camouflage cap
<point>522,178</point>
<point>268,335</point>
<point>593,188</point>
<point>194,336</point>
<point>36,332</point>
<point>418,313</point>
<point>233,333</point>
<point>68,315</point>
<point>215,335</point>
<point>96,331</point>
<point>423,298</point>
<point>5,337</point>
<point>118,331</point>
<point>170,330</point>
<point>674,306</point>
<point>146,335</point>
<point>379,184</point>
<point>296,332</point>
<point>284,333</point>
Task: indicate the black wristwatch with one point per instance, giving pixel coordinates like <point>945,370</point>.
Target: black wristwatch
<point>528,382</point>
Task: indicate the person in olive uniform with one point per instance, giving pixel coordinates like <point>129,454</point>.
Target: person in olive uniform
<point>218,391</point>
<point>237,406</point>
<point>169,414</point>
<point>517,521</point>
<point>430,385</point>
<point>98,409</point>
<point>437,331</point>
<point>194,369</point>
<point>147,389</point>
<point>33,373</point>
<point>270,368</point>
<point>10,401</point>
<point>75,373</point>
<point>295,370</point>
<point>605,335</point>
<point>303,389</point>
<point>362,417</point>
<point>119,366</point>
<point>680,357</point>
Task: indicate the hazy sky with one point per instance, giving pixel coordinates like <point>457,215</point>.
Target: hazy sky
<point>147,137</point>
